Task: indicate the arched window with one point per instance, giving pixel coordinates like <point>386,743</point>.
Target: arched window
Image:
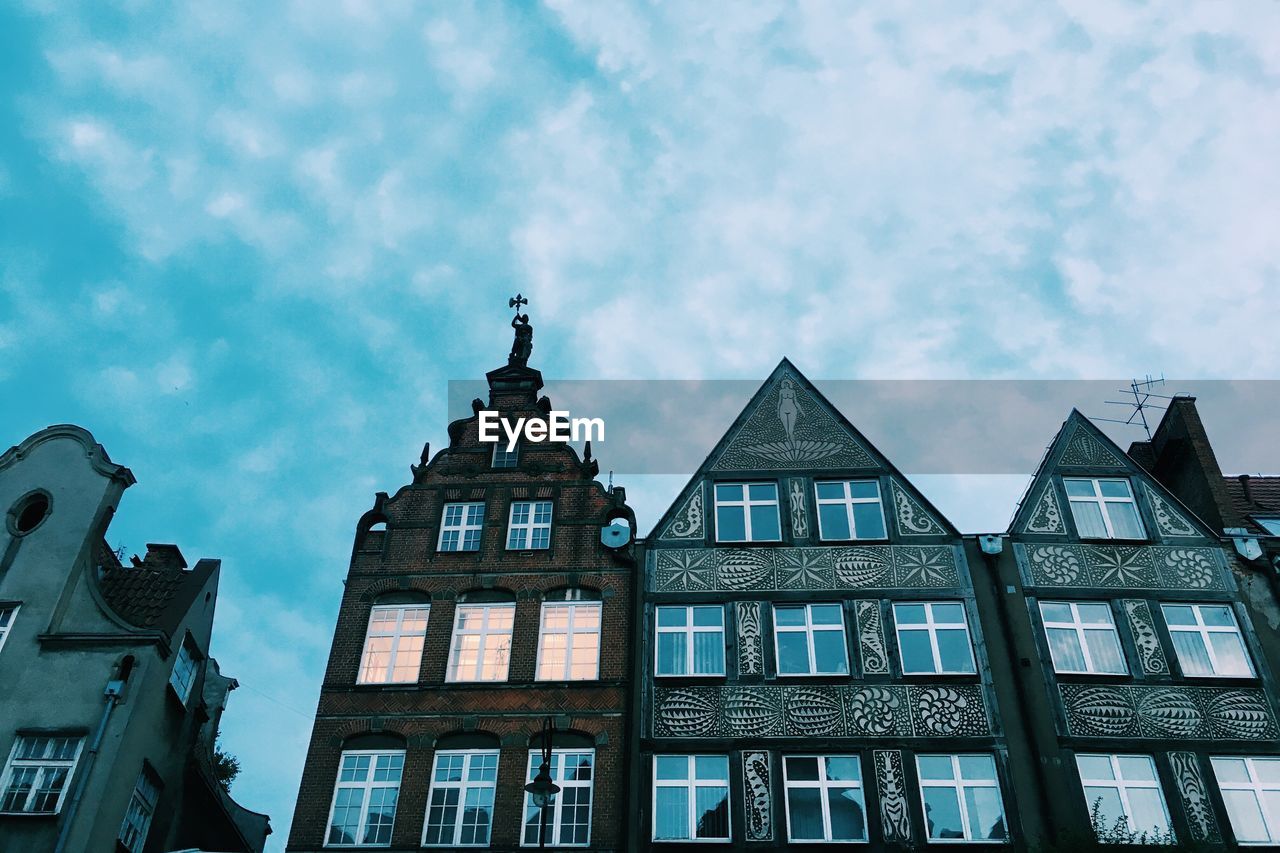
<point>569,635</point>
<point>464,777</point>
<point>572,767</point>
<point>367,789</point>
<point>481,645</point>
<point>394,639</point>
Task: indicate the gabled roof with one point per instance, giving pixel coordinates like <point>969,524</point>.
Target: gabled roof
<point>789,426</point>
<point>152,593</point>
<point>1080,448</point>
<point>1254,495</point>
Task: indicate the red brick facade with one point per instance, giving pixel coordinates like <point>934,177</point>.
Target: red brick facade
<point>403,560</point>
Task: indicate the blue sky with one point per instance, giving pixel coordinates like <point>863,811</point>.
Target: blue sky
<point>247,245</point>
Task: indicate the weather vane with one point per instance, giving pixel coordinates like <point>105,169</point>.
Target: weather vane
<point>516,301</point>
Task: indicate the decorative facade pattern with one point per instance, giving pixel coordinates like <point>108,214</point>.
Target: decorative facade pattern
<point>1195,797</point>
<point>1134,567</point>
<point>1169,521</point>
<point>750,650</point>
<point>759,800</point>
<point>869,567</point>
<point>892,786</point>
<point>1086,451</point>
<point>913,519</point>
<point>820,711</point>
<point>1167,712</point>
<point>790,429</point>
<point>799,511</point>
<point>875,654</point>
<point>1145,638</point>
<point>1047,516</point>
<point>688,522</point>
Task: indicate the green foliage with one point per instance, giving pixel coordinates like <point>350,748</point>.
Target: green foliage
<point>225,767</point>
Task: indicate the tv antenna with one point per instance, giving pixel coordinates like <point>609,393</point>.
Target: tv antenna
<point>1140,391</point>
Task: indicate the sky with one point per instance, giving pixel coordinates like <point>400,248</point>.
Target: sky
<point>248,245</point>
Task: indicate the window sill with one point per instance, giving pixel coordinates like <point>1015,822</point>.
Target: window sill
<point>749,543</point>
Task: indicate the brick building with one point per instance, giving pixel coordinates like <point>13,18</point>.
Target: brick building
<point>481,599</point>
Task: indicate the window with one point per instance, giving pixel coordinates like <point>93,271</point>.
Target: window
<point>747,512</point>
<point>481,642</point>
<point>530,527</point>
<point>35,779</point>
<point>460,527</point>
<point>365,797</point>
<point>690,640</point>
<point>690,798</point>
<point>7,614</point>
<point>933,638</point>
<point>393,644</point>
<point>569,817</point>
<point>1207,640</point>
<point>1251,790</point>
<point>961,798</point>
<point>1126,794</point>
<point>809,639</point>
<point>849,509</point>
<point>569,642</point>
<point>1103,508</point>
<point>1082,637</point>
<point>183,675</point>
<point>460,802</point>
<point>1271,525</point>
<point>824,798</point>
<point>137,817</point>
<point>503,458</point>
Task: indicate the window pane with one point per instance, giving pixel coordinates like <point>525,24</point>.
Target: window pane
<point>671,813</point>
<point>825,614</point>
<point>1064,646</point>
<point>917,653</point>
<point>788,616</point>
<point>1148,810</point>
<point>828,647</point>
<point>711,767</point>
<point>1095,767</point>
<point>1136,768</point>
<point>942,813</point>
<point>869,521</point>
<point>1268,769</point>
<point>953,648</point>
<point>848,816</point>
<point>1246,816</point>
<point>1055,611</point>
<point>1218,617</point>
<point>708,617</point>
<point>1110,810</point>
<point>708,653</point>
<point>935,767</point>
<point>672,617</point>
<point>986,813</point>
<point>712,811</point>
<point>830,491</point>
<point>802,768</point>
<point>672,767</point>
<point>1179,614</point>
<point>764,524</point>
<point>763,492</point>
<point>729,492</point>
<point>977,768</point>
<point>909,614</point>
<point>1229,650</point>
<point>793,652</point>
<point>1191,653</point>
<point>1231,769</point>
<point>1079,488</point>
<point>1088,518</point>
<point>1094,614</point>
<point>671,654</point>
<point>1104,649</point>
<point>864,489</point>
<point>950,614</point>
<point>1114,488</point>
<point>843,768</point>
<point>805,806</point>
<point>1125,521</point>
<point>731,525</point>
<point>834,521</point>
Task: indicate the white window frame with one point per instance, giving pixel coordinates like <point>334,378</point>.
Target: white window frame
<point>485,634</point>
<point>397,634</point>
<point>1080,628</point>
<point>569,632</point>
<point>848,501</point>
<point>747,503</point>
<point>554,824</point>
<point>688,629</point>
<point>530,528</point>
<point>1122,785</point>
<point>8,615</point>
<point>462,526</point>
<point>138,814</point>
<point>1204,630</point>
<point>1255,786</point>
<point>1102,501</point>
<point>691,784</point>
<point>186,666</point>
<point>1269,523</point>
<point>463,785</point>
<point>958,784</point>
<point>42,767</point>
<point>824,786</point>
<point>932,627</point>
<point>500,454</point>
<point>367,787</point>
<point>809,629</point>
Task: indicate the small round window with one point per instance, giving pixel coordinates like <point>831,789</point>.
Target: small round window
<point>28,513</point>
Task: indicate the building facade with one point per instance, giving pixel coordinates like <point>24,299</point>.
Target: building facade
<point>110,702</point>
<point>813,663</point>
<point>491,593</point>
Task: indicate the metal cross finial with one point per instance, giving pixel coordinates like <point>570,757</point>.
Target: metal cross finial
<point>516,301</point>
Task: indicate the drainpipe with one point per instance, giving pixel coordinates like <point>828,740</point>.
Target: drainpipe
<point>110,696</point>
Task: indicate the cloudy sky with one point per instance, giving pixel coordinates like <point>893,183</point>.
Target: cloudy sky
<point>247,245</point>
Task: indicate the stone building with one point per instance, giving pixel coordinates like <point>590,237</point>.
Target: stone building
<point>1139,681</point>
<point>490,593</point>
<point>815,670</point>
<point>110,702</point>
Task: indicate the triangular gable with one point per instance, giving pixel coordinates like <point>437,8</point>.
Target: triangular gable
<point>789,425</point>
<point>1080,448</point>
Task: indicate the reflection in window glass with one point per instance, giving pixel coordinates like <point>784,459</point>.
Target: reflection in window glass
<point>691,798</point>
<point>961,798</point>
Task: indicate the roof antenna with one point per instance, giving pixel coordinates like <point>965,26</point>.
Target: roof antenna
<point>1140,390</point>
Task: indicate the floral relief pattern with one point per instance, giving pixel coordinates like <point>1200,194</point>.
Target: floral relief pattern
<point>799,510</point>
<point>1047,517</point>
<point>1169,521</point>
<point>1145,638</point>
<point>1167,712</point>
<point>1086,450</point>
<point>687,523</point>
<point>741,569</point>
<point>1131,567</point>
<point>913,519</point>
<point>759,801</point>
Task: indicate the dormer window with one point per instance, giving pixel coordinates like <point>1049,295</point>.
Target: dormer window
<point>503,458</point>
<point>747,512</point>
<point>1103,508</point>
